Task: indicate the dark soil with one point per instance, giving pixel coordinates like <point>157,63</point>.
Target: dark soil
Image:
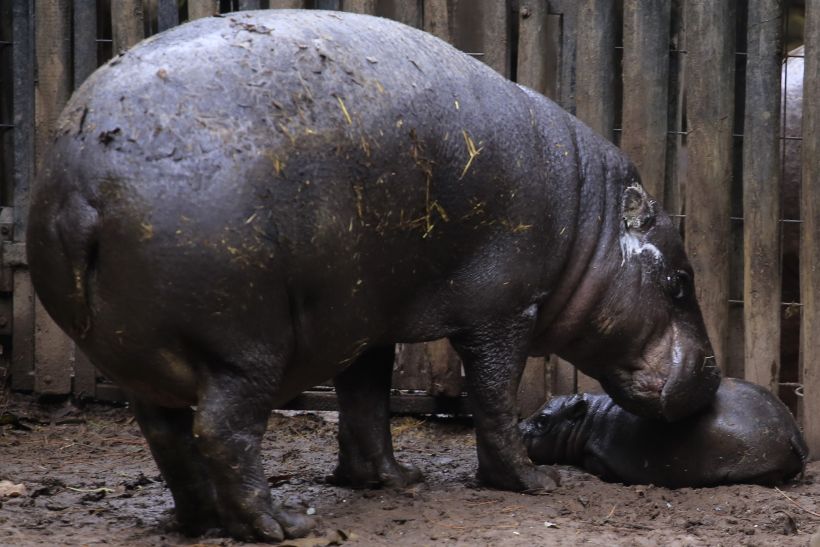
<point>90,480</point>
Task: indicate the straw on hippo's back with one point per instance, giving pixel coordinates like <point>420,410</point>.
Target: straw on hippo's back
<point>747,436</point>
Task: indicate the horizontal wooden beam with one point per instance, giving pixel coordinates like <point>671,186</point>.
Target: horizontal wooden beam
<point>399,404</point>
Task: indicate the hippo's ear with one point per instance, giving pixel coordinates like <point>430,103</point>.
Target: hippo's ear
<point>576,407</point>
<point>638,208</point>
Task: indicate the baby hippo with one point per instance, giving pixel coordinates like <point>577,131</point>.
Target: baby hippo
<point>746,436</point>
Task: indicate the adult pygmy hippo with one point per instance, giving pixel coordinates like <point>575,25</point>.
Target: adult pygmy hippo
<point>242,207</point>
<point>746,436</point>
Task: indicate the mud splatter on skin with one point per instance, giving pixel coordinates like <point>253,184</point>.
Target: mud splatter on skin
<point>632,247</point>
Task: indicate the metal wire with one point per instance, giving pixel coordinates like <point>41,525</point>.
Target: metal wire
<point>783,304</point>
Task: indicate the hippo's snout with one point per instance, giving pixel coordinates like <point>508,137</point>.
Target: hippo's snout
<point>677,376</point>
<point>691,386</point>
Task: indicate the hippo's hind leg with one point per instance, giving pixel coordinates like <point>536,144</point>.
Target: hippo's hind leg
<point>233,407</point>
<point>494,355</point>
<point>365,444</point>
<point>169,432</point>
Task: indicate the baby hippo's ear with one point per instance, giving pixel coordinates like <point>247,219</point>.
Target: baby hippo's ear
<point>638,208</point>
<point>576,408</point>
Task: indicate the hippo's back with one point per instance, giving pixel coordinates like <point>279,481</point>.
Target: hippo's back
<point>292,165</point>
<point>770,447</point>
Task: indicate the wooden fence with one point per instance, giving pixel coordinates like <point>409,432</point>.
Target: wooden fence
<point>691,89</point>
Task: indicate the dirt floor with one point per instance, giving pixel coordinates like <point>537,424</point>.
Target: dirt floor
<point>89,479</point>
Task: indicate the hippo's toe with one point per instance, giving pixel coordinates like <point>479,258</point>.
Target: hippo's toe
<point>530,479</point>
<point>387,474</point>
<point>295,525</point>
<point>269,527</point>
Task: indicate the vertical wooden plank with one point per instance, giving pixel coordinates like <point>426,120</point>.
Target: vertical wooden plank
<point>85,376</point>
<point>496,35</point>
<point>54,354</point>
<point>433,367</point>
<point>437,19</point>
<point>733,364</point>
<point>645,92</point>
<point>85,40</point>
<point>408,12</point>
<point>595,65</point>
<point>202,8</point>
<point>534,388</point>
<point>710,110</point>
<point>587,384</point>
<point>761,194</point>
<point>792,98</point>
<point>810,240</point>
<point>53,62</point>
<point>284,4</point>
<point>411,369</point>
<point>22,364</point>
<point>6,134</point>
<point>249,4</point>
<point>483,27</point>
<point>539,47</point>
<point>52,348</point>
<point>567,10</point>
<point>127,19</point>
<point>675,155</point>
<point>328,4</point>
<point>22,334</point>
<point>562,376</point>
<point>445,369</point>
<point>167,14</point>
<point>360,6</point>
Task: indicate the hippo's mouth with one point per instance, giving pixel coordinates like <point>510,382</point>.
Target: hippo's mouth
<point>680,388</point>
<point>690,387</point>
<point>633,395</point>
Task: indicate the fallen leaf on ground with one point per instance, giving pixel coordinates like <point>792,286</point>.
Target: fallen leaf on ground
<point>10,490</point>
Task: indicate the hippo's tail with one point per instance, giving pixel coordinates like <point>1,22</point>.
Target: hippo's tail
<point>62,246</point>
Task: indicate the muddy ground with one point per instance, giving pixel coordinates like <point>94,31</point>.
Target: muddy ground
<point>89,480</point>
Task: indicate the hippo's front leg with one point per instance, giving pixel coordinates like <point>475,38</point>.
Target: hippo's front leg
<point>365,445</point>
<point>494,356</point>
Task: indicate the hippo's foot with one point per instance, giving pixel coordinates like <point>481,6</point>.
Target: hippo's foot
<point>387,474</point>
<point>271,526</point>
<point>530,479</point>
<point>494,357</point>
<point>168,432</point>
<point>231,417</point>
<point>365,445</point>
<point>195,524</point>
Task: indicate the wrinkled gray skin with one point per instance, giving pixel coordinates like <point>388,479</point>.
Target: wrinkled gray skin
<point>746,436</point>
<point>242,207</point>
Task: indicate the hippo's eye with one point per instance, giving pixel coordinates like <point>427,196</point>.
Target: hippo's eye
<point>679,285</point>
